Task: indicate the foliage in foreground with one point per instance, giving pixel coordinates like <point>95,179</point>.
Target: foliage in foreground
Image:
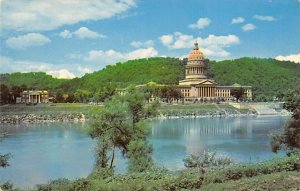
<point>162,179</point>
<point>281,181</point>
<point>119,125</point>
<point>289,139</point>
<point>206,160</point>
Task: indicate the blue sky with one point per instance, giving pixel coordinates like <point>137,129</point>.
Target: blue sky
<point>70,38</point>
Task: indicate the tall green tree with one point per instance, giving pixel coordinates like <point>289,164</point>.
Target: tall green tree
<point>289,139</point>
<point>119,125</point>
<point>4,94</point>
<point>82,95</point>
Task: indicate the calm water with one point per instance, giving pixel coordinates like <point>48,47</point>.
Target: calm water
<point>42,152</point>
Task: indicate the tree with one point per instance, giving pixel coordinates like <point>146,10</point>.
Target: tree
<point>70,99</point>
<point>238,93</point>
<point>119,125</point>
<point>289,139</point>
<point>59,98</point>
<point>4,94</point>
<point>4,158</point>
<point>82,95</point>
<point>139,152</point>
<point>105,92</point>
<point>16,92</point>
<point>110,126</point>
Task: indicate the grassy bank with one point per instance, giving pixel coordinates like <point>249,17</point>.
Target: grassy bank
<point>200,109</point>
<point>276,174</point>
<point>16,113</point>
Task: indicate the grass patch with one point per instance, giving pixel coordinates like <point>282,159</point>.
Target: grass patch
<point>200,109</point>
<point>282,173</point>
<point>280,181</point>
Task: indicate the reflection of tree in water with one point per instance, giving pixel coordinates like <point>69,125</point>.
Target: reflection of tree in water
<point>187,128</point>
<point>230,134</point>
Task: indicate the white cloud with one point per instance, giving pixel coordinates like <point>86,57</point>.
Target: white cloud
<point>112,56</point>
<point>237,20</point>
<point>138,44</point>
<point>213,46</point>
<point>166,39</point>
<point>8,65</point>
<point>35,15</point>
<point>201,23</point>
<point>11,65</point>
<point>141,53</point>
<point>84,70</point>
<point>62,73</point>
<point>27,40</point>
<point>66,34</point>
<point>293,57</point>
<point>248,27</point>
<point>82,33</point>
<point>264,17</point>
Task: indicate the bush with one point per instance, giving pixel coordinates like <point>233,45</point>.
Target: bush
<point>207,159</point>
<point>59,184</point>
<point>80,185</point>
<point>291,163</point>
<point>101,173</point>
<point>6,186</point>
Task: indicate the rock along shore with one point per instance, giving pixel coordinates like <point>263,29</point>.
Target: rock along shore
<point>36,118</point>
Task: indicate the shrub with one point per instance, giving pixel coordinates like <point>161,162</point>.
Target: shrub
<point>207,159</point>
<point>236,172</point>
<point>80,185</point>
<point>6,186</point>
<point>59,184</point>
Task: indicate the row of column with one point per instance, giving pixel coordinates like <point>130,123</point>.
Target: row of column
<point>31,98</point>
<point>206,91</point>
<point>194,71</point>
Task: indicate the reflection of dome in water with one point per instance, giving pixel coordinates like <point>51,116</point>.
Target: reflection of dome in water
<point>196,54</point>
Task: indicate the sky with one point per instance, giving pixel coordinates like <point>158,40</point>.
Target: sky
<point>72,37</point>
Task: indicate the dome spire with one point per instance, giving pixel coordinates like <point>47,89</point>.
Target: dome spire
<point>196,46</point>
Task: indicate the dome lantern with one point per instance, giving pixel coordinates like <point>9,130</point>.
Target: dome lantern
<point>196,54</point>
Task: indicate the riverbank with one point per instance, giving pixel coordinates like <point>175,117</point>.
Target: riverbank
<point>78,112</point>
<point>276,174</point>
<point>61,112</point>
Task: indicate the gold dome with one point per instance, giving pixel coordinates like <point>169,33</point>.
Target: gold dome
<point>196,54</point>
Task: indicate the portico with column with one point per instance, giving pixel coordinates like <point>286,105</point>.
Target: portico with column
<point>34,96</point>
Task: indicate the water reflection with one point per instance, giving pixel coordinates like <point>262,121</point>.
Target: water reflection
<point>243,139</point>
<point>46,151</point>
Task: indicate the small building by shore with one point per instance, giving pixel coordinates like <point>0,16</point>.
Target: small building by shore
<point>35,96</point>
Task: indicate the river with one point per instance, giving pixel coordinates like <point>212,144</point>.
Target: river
<point>47,151</point>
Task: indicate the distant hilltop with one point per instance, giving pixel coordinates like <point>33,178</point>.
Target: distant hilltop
<point>269,78</point>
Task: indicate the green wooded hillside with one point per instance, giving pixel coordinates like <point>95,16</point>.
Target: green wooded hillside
<point>268,77</point>
<point>134,72</point>
<point>34,80</point>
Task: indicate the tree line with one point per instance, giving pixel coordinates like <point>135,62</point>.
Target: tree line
<point>270,79</point>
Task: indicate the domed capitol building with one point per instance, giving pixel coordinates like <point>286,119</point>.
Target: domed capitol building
<point>196,86</point>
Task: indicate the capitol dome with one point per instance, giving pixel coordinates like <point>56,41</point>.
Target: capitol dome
<point>196,54</point>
